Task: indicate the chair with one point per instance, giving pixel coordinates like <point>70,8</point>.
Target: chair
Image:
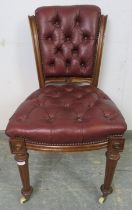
<point>68,113</point>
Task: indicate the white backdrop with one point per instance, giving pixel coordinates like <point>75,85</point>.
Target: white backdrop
<point>18,76</point>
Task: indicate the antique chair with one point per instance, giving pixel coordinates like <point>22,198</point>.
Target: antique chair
<point>68,113</point>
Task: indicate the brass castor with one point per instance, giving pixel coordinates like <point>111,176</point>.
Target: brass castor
<point>23,199</point>
<point>102,199</point>
<point>26,195</point>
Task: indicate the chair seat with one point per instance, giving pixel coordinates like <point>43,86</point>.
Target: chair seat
<point>66,115</point>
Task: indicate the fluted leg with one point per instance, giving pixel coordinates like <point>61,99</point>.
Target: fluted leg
<point>112,156</point>
<point>18,148</point>
<point>24,174</point>
<point>111,162</point>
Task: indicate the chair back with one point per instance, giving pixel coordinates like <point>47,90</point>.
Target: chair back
<point>67,41</point>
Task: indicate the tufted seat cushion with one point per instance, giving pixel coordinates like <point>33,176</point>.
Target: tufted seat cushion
<point>67,114</point>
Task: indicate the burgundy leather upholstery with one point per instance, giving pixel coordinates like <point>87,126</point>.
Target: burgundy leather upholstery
<point>67,36</point>
<point>67,114</point>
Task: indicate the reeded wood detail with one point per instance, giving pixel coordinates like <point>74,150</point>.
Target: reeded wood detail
<point>62,148</point>
<point>103,21</point>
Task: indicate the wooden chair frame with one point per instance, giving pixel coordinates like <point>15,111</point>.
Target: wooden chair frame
<point>114,143</point>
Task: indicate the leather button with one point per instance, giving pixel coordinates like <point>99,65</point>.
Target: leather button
<point>68,38</point>
<point>51,63</point>
<point>77,20</point>
<point>57,24</point>
<point>49,38</point>
<point>68,62</point>
<point>56,20</point>
<point>79,119</point>
<point>51,117</point>
<point>85,38</point>
<point>83,65</point>
<point>108,116</point>
<point>77,23</point>
<point>75,50</point>
<point>58,50</point>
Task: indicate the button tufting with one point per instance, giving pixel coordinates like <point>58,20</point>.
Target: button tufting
<point>51,117</point>
<point>58,50</point>
<point>85,36</point>
<point>66,115</point>
<point>57,24</point>
<point>107,116</point>
<point>83,64</point>
<point>49,37</point>
<point>56,21</point>
<point>68,38</point>
<point>68,27</point>
<point>51,63</point>
<point>79,119</point>
<point>77,22</point>
<point>68,62</point>
<point>77,19</point>
<point>75,50</point>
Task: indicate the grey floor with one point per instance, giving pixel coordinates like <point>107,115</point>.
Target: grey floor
<point>64,181</point>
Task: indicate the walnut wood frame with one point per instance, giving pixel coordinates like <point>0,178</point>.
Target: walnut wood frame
<point>114,143</point>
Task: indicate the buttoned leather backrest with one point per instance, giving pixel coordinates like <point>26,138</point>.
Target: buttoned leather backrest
<point>68,38</point>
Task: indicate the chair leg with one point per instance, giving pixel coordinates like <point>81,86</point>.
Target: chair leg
<point>112,156</point>
<point>24,174</point>
<point>18,148</point>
